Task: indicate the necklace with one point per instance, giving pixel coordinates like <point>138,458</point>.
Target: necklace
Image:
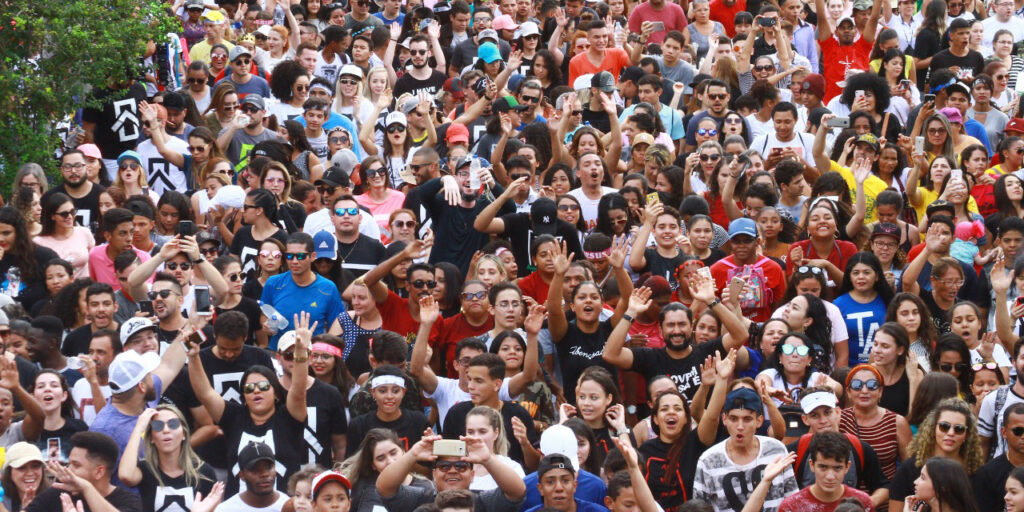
<point>349,253</point>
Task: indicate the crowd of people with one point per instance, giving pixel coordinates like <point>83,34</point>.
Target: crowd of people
<point>522,256</point>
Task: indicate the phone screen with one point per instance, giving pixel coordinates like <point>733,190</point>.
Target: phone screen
<point>203,304</point>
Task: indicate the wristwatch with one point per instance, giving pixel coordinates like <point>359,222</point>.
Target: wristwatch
<point>198,260</point>
<point>303,358</point>
<point>714,303</point>
<point>627,317</point>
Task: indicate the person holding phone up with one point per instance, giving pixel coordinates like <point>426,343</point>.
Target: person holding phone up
<point>180,257</point>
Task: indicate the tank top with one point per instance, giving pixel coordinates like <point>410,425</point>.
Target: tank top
<point>896,397</point>
<point>351,332</point>
<point>881,436</point>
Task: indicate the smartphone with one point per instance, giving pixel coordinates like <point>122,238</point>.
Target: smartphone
<point>906,84</point>
<point>766,22</point>
<point>776,151</point>
<point>186,228</point>
<point>658,26</point>
<point>858,95</point>
<point>919,144</point>
<point>704,271</point>
<point>1018,302</point>
<point>957,174</point>
<point>928,97</point>
<point>449,448</point>
<point>204,306</point>
<point>652,198</point>
<point>838,122</point>
<point>146,306</point>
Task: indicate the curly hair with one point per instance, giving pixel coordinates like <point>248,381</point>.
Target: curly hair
<point>23,251</point>
<point>923,445</point>
<point>574,147</point>
<point>870,82</point>
<point>284,77</point>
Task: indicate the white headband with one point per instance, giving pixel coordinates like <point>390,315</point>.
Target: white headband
<point>384,380</point>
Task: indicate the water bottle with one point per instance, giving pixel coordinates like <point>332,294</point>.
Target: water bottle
<point>474,175</point>
<point>13,281</point>
<point>275,321</point>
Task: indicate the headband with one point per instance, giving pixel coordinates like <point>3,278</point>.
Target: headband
<point>592,255</point>
<point>384,380</point>
<point>859,367</point>
<point>500,250</point>
<point>940,87</point>
<point>328,348</point>
<point>323,88</point>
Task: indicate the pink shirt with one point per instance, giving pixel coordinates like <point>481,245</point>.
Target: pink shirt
<point>101,267</point>
<point>670,14</point>
<point>75,249</point>
<point>382,211</point>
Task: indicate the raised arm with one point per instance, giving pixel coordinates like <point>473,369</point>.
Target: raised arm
<point>707,428</point>
<point>424,110</point>
<point>1001,278</point>
<point>531,364</point>
<point>419,368</point>
<point>747,49</point>
<point>914,178</point>
<point>637,259</point>
<point>477,452</point>
<point>729,191</point>
<point>156,133</point>
<point>933,241</point>
<point>372,279</point>
<point>389,54</point>
<point>173,359</point>
<point>617,259</point>
<point>642,493</point>
<point>557,324</point>
<point>391,478</point>
<point>821,160</point>
<point>296,399</point>
<point>615,352</point>
<point>555,42</point>
<point>366,130</point>
<point>433,34</point>
<point>128,469</point>
<point>207,396</point>
<point>824,29</point>
<point>614,150</point>
<point>136,282</point>
<point>755,503</point>
<point>487,221</point>
<point>34,415</point>
<point>872,27</point>
<point>218,286</point>
<point>861,172</point>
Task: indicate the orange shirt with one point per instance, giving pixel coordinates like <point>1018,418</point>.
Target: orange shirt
<point>614,60</point>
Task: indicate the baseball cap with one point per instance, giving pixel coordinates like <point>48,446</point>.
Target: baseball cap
<point>129,368</point>
<point>135,325</point>
<point>453,86</point>
<point>345,160</point>
<point>507,104</point>
<point>92,151</point>
<point>214,17</point>
<point>129,155</point>
<point>504,22</point>
<point>529,28</point>
<point>334,177</point>
<point>264,30</point>
<point>862,5</point>
<point>952,113</point>
<point>631,73</point>
<point>814,84</point>
<point>351,70</point>
<point>742,226</point>
<point>643,138</point>
<point>869,139</point>
<point>940,206</point>
<point>463,161</point>
<point>395,118</point>
<point>254,452</point>
<point>326,245</point>
<point>174,101</point>
<point>604,81</point>
<point>327,477</point>
<point>488,52</point>
<point>812,401</point>
<point>957,23</point>
<point>255,100</point>
<point>846,18</point>
<point>743,398</point>
<point>958,86</point>
<point>287,340</point>
<point>21,453</point>
<point>457,133</point>
<point>555,461</point>
<point>560,440</point>
<point>1014,125</point>
<point>192,4</point>
<point>544,216</point>
<point>489,33</point>
<point>886,229</point>
<point>409,104</point>
<point>237,52</point>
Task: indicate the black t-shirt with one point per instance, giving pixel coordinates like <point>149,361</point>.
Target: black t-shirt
<point>77,341</point>
<point>597,118</point>
<point>361,256</point>
<point>282,432</point>
<point>926,44</point>
<point>667,490</point>
<point>990,483</point>
<point>117,125</point>
<point>519,231</point>
<point>972,63</point>
<point>173,491</point>
<point>325,417</point>
<point>685,372</point>
<point>940,317</point>
<point>455,425</point>
<point>659,265</point>
<point>578,350</point>
<point>454,225</point>
<point>251,309</point>
<point>903,482</point>
<point>120,499</point>
<point>87,206</point>
<point>411,85</point>
<point>409,427</point>
<point>247,248</point>
<point>716,254</point>
<point>291,216</point>
<point>33,289</point>
<point>57,443</point>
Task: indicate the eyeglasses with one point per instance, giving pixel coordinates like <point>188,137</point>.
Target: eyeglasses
<point>347,81</point>
<point>713,157</point>
<point>67,213</point>
<point>175,265</point>
<point>482,19</point>
<point>448,465</point>
<point>530,99</point>
<point>766,67</point>
<point>404,224</point>
<point>296,256</point>
<point>991,365</point>
<point>251,387</point>
<point>271,254</point>
<point>871,384</point>
<point>946,367</point>
<point>958,428</point>
<point>719,96</point>
<point>196,81</point>
<point>250,109</point>
<point>952,283</point>
<point>419,283</point>
<point>396,128</point>
<point>418,52</point>
<point>341,212</point>
<point>72,167</point>
<point>885,245</point>
<point>1001,77</point>
<point>163,294</point>
<point>464,362</point>
<point>568,207</point>
<point>936,131</point>
<point>474,295</point>
<point>801,351</point>
<point>160,426</point>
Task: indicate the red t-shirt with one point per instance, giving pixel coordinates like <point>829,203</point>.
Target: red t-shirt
<point>448,332</point>
<point>394,313</point>
<point>776,282</point>
<point>804,501</point>
<point>838,256</point>
<point>534,286</point>
<point>840,58</point>
<point>726,14</point>
<point>984,195</point>
<point>670,14</point>
<point>614,60</point>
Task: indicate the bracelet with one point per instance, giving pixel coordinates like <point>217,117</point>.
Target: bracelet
<point>303,358</point>
<point>712,304</point>
<point>622,432</point>
<point>627,317</point>
<point>198,260</point>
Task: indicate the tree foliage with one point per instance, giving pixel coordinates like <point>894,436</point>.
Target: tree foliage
<point>53,56</point>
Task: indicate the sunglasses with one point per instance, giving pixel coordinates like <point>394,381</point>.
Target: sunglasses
<point>809,270</point>
<point>234,277</point>
<point>242,62</point>
<point>250,109</point>
<point>396,128</point>
<point>296,256</point>
<point>209,250</point>
<point>568,207</point>
<point>348,81</point>
<point>766,67</point>
<point>474,295</point>
<point>801,351</point>
<point>370,173</point>
<point>958,428</point>
<point>341,212</point>
<point>271,254</point>
<point>447,466</point>
<point>338,140</point>
<point>196,81</point>
<point>131,165</point>
<point>251,387</point>
<point>193,149</point>
<point>419,283</point>
<point>261,37</point>
<point>577,112</point>
<point>175,265</point>
<point>991,365</point>
<point>163,294</point>
<point>946,367</point>
<point>67,214</point>
<point>871,384</point>
<point>707,132</point>
<point>530,99</point>
<point>733,120</point>
<point>719,96</point>
<point>1017,431</point>
<point>405,224</point>
<point>712,157</point>
<point>160,426</point>
<point>418,52</point>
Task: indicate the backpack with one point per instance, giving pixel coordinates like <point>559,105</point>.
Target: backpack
<point>805,442</point>
<point>760,294</point>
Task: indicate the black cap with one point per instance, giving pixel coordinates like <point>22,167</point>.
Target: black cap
<point>940,206</point>
<point>886,229</point>
<point>544,216</point>
<point>335,177</point>
<point>174,101</point>
<point>254,452</point>
<point>631,73</point>
<point>554,461</point>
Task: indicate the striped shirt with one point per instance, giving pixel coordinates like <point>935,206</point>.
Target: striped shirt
<point>727,485</point>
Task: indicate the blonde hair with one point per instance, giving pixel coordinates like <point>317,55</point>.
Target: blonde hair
<point>187,458</point>
<point>367,93</point>
<point>493,259</point>
<point>142,177</point>
<point>493,417</point>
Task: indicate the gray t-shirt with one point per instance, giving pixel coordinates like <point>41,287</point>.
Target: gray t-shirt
<point>242,143</point>
<point>352,24</point>
<point>12,435</point>
<point>682,72</point>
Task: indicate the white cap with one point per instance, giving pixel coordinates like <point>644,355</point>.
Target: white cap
<point>529,28</point>
<point>395,118</point>
<point>583,82</point>
<point>231,196</point>
<point>812,401</point>
<point>264,31</point>
<point>133,325</point>
<point>562,440</point>
<point>285,342</point>
<point>129,368</point>
<point>351,69</point>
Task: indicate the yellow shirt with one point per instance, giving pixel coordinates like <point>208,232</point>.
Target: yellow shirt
<point>872,187</point>
<point>928,197</point>
<point>201,50</point>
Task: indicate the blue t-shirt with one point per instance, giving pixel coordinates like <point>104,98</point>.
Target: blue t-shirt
<point>119,426</point>
<point>589,487</point>
<point>320,299</point>
<point>862,320</point>
<point>400,19</point>
<point>256,85</point>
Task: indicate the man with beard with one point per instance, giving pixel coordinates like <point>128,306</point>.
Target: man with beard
<point>744,240</point>
<point>90,477</point>
<point>600,57</point>
<point>174,103</point>
<point>256,464</point>
<point>137,380</point>
<point>681,358</point>
<point>85,195</point>
<point>716,98</point>
<point>420,78</point>
<point>239,74</point>
<point>245,131</point>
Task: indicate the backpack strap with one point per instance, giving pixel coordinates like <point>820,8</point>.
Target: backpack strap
<point>858,448</point>
<point>801,452</point>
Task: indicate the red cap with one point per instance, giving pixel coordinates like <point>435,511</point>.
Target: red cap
<point>457,134</point>
<point>329,476</point>
<point>454,86</point>
<point>1015,125</point>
